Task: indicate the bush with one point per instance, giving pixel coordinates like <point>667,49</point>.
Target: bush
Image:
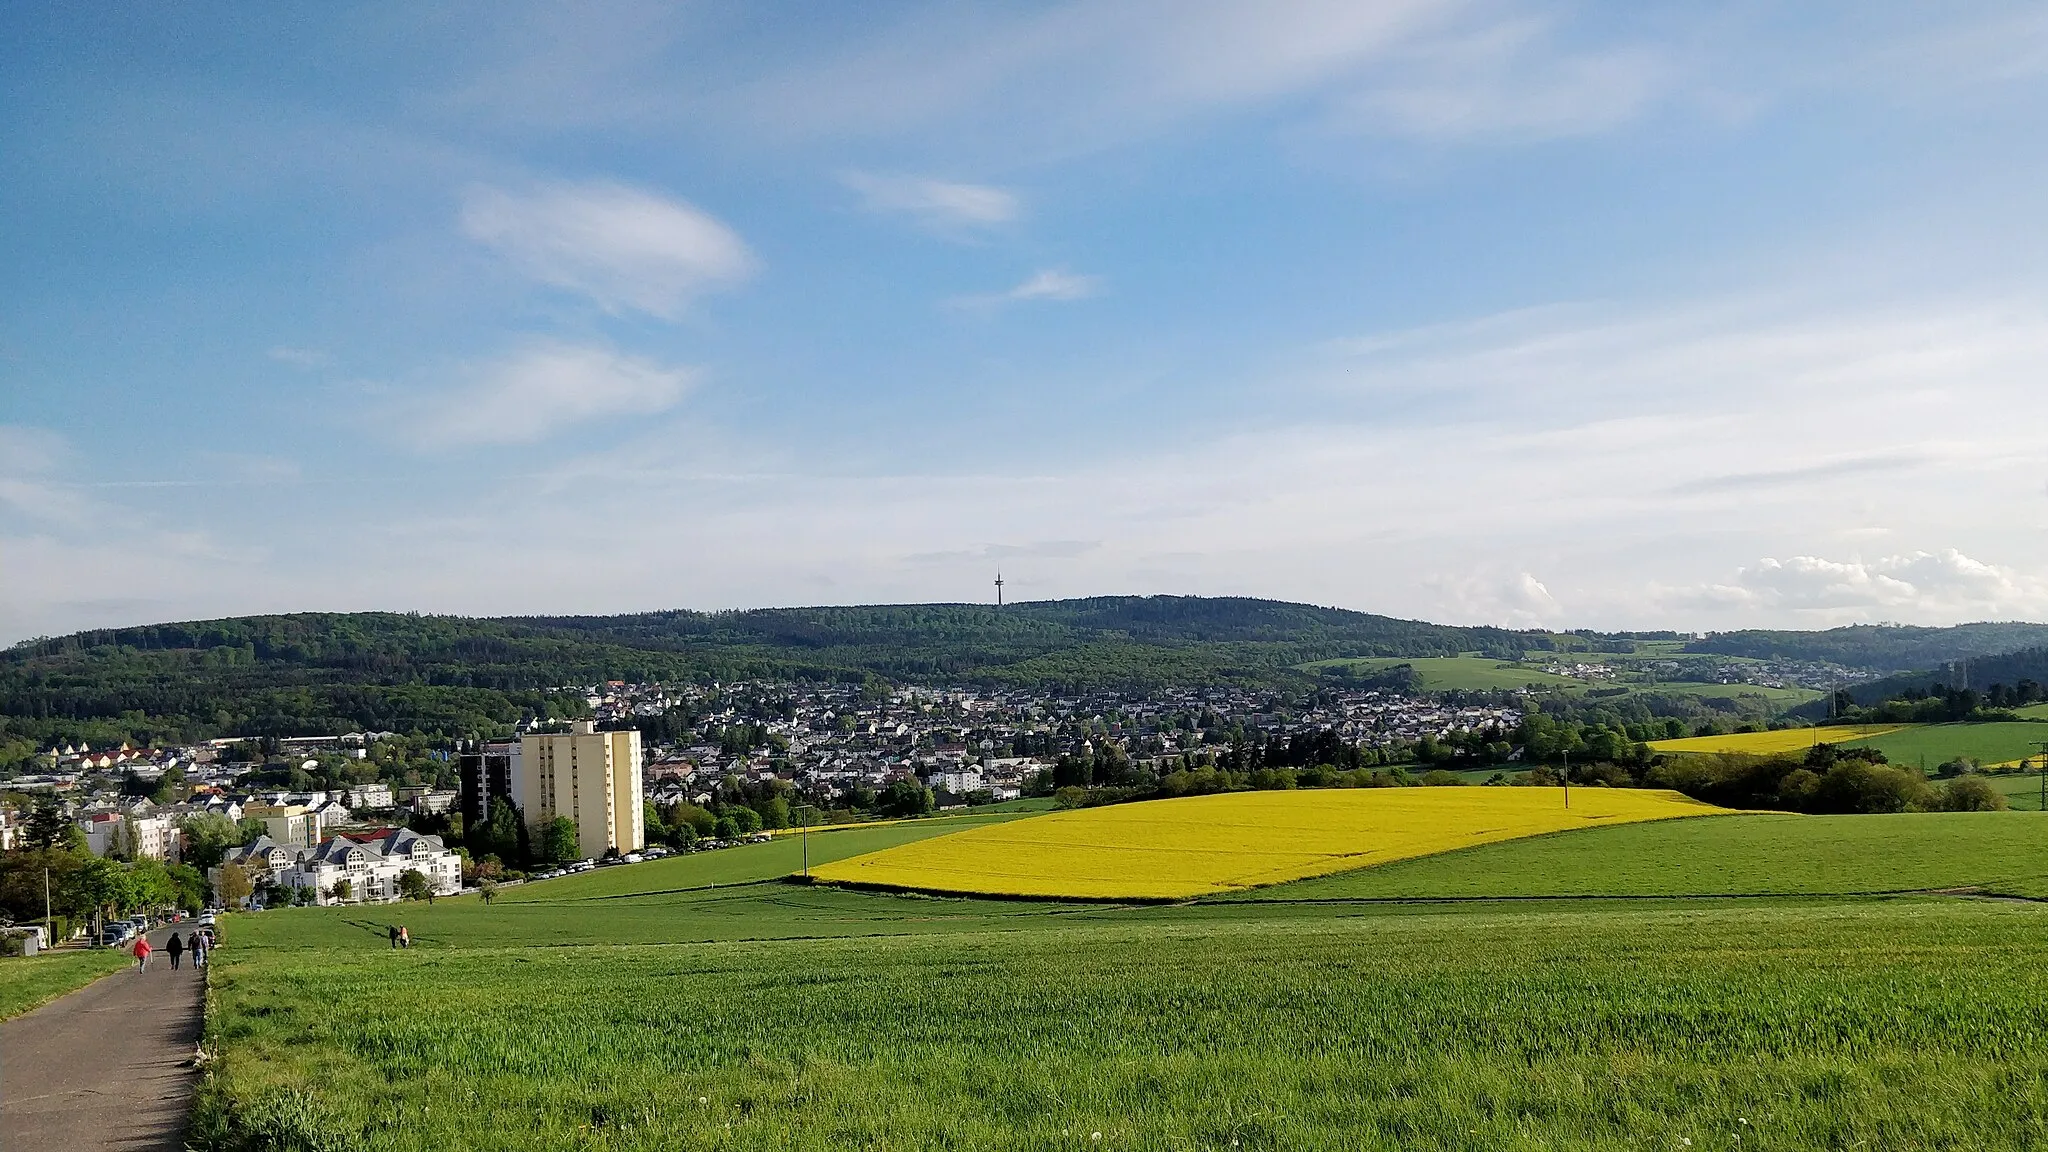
<point>1972,793</point>
<point>1858,786</point>
<point>1438,778</point>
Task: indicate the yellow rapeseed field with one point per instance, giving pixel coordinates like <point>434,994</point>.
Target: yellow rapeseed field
<point>1773,743</point>
<point>1201,845</point>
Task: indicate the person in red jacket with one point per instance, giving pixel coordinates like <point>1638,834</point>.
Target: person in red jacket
<point>141,953</point>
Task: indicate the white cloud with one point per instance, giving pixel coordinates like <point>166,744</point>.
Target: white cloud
<point>625,248</point>
<point>26,450</point>
<point>1945,585</point>
<point>535,393</point>
<point>1509,80</point>
<point>300,357</point>
<point>938,203</point>
<point>1045,284</point>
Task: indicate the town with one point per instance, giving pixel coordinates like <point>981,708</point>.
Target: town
<point>345,818</point>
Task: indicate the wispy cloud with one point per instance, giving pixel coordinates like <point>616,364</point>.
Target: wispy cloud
<point>941,204</point>
<point>535,393</point>
<point>1046,284</point>
<point>626,248</point>
<point>300,357</point>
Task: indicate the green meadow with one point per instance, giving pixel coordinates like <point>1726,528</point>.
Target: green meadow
<point>1930,745</point>
<point>1732,990</point>
<point>27,982</point>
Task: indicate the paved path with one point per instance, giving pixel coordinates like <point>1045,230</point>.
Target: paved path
<point>105,1067</point>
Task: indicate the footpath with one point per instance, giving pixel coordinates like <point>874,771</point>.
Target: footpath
<point>107,1067</point>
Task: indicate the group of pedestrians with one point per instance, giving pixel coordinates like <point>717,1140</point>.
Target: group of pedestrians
<point>175,947</point>
<point>400,938</point>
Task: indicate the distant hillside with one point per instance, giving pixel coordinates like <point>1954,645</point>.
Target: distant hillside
<point>334,671</point>
<point>1886,648</point>
<point>1979,673</point>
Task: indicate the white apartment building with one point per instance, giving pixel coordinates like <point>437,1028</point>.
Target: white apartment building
<point>373,867</point>
<point>589,776</point>
<point>145,837</point>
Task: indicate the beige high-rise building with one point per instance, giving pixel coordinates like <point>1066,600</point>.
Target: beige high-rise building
<point>591,777</point>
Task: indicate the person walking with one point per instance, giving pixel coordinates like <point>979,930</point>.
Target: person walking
<point>404,937</point>
<point>198,950</point>
<point>394,935</point>
<point>142,953</point>
<point>176,948</point>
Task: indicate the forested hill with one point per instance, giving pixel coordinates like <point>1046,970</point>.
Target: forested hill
<point>1890,648</point>
<point>333,672</point>
<point>1979,673</point>
<point>1100,640</point>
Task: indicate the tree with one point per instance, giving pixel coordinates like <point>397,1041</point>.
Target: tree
<point>907,797</point>
<point>726,828</point>
<point>558,841</point>
<point>208,838</point>
<point>344,890</point>
<point>96,888</point>
<point>487,890</point>
<point>232,888</point>
<point>414,885</point>
<point>47,827</point>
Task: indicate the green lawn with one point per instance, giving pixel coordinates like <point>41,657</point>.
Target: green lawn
<point>750,862</point>
<point>1889,1024</point>
<point>1719,856</point>
<point>2022,789</point>
<point>1993,743</point>
<point>29,981</point>
<point>2033,711</point>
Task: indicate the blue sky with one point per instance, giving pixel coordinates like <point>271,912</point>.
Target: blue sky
<point>1516,312</point>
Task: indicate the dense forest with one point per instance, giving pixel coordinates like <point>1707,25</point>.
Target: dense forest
<point>1885,647</point>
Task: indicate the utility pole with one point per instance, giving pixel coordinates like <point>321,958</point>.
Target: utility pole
<point>1567,778</point>
<point>2043,746</point>
<point>49,921</point>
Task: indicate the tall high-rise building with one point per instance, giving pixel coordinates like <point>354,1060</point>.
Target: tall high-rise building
<point>487,773</point>
<point>591,777</point>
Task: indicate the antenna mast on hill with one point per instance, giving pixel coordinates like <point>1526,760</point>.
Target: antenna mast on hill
<point>999,587</point>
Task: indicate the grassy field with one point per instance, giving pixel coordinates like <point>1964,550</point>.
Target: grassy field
<point>1737,986</point>
<point>2022,790</point>
<point>2033,711</point>
<point>750,862</point>
<point>1250,1026</point>
<point>1996,743</point>
<point>1201,845</point>
<point>1461,673</point>
<point>1746,855</point>
<point>29,981</point>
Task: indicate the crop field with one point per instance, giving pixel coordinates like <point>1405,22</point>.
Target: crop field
<point>1998,742</point>
<point>1994,743</point>
<point>1774,743</point>
<point>29,981</point>
<point>1612,1025</point>
<point>1742,855</point>
<point>1202,845</point>
<point>749,862</point>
